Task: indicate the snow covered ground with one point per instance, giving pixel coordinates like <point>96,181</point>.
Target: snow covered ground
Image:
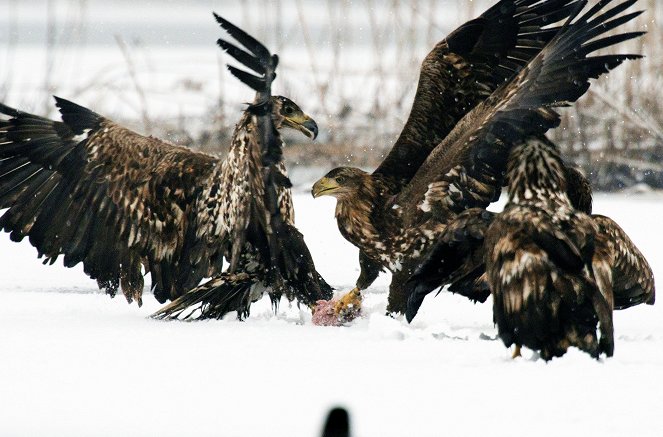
<point>74,362</point>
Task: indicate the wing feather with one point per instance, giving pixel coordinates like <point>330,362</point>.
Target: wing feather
<point>464,69</point>
<point>519,110</point>
<point>107,199</point>
<point>631,274</point>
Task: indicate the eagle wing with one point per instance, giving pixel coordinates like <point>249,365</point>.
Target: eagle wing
<point>619,265</point>
<point>112,199</point>
<point>464,69</point>
<point>456,258</point>
<point>466,170</point>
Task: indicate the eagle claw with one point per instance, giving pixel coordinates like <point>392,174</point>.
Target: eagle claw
<point>349,306</point>
<point>336,312</point>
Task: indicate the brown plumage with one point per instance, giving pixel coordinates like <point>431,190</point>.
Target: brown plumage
<point>452,156</point>
<point>457,256</point>
<point>621,271</point>
<point>554,271</point>
<point>123,204</point>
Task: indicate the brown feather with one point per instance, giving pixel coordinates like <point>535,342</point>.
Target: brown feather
<point>452,154</point>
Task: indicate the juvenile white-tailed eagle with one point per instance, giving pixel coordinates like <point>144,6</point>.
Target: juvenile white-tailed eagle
<point>124,204</point>
<point>493,83</point>
<point>457,257</point>
<point>555,272</point>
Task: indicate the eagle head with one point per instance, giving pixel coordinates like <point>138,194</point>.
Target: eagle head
<point>286,113</point>
<point>341,182</point>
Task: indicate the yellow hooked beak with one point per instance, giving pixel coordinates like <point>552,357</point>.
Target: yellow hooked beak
<point>323,187</point>
<point>302,123</point>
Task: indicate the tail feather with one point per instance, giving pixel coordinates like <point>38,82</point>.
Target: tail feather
<point>213,300</point>
<point>456,258</point>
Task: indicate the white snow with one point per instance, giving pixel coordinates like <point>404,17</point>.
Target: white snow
<point>75,363</point>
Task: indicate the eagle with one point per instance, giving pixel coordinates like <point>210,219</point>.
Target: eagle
<point>457,256</point>
<point>125,205</point>
<point>491,84</point>
<point>556,272</point>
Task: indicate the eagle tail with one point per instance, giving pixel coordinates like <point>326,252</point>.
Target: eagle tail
<point>214,299</point>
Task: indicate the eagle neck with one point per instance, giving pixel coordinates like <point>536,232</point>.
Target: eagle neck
<point>536,175</point>
<point>354,215</point>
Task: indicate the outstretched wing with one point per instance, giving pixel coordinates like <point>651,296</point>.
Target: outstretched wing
<point>466,170</point>
<point>97,193</point>
<point>626,270</point>
<point>464,69</point>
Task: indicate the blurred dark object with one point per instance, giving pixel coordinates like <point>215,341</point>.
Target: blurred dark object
<point>338,423</point>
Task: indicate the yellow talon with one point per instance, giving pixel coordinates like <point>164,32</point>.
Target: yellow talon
<point>349,305</point>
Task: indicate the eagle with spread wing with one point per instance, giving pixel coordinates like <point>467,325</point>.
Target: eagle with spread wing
<point>556,272</point>
<point>490,85</point>
<point>125,205</point>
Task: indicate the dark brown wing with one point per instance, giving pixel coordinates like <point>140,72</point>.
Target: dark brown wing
<point>113,200</point>
<point>464,69</point>
<point>457,255</point>
<point>467,168</point>
<point>631,276</point>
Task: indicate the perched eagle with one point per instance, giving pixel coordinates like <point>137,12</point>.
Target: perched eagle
<point>124,204</point>
<point>491,84</point>
<point>554,271</point>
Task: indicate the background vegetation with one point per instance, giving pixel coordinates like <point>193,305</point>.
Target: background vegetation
<point>353,65</point>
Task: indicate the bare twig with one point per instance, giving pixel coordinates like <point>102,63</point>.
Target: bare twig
<point>131,68</point>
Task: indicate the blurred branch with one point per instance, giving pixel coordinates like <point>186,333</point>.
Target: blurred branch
<point>131,68</point>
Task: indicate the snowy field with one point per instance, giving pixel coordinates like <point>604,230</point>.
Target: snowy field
<point>75,363</point>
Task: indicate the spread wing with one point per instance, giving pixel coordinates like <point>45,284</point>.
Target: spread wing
<point>466,170</point>
<point>97,193</point>
<point>464,69</point>
<point>628,272</point>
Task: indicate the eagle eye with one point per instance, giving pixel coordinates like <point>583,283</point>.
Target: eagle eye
<point>289,110</point>
<point>340,179</point>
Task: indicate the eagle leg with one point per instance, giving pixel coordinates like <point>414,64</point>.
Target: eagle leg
<point>398,292</point>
